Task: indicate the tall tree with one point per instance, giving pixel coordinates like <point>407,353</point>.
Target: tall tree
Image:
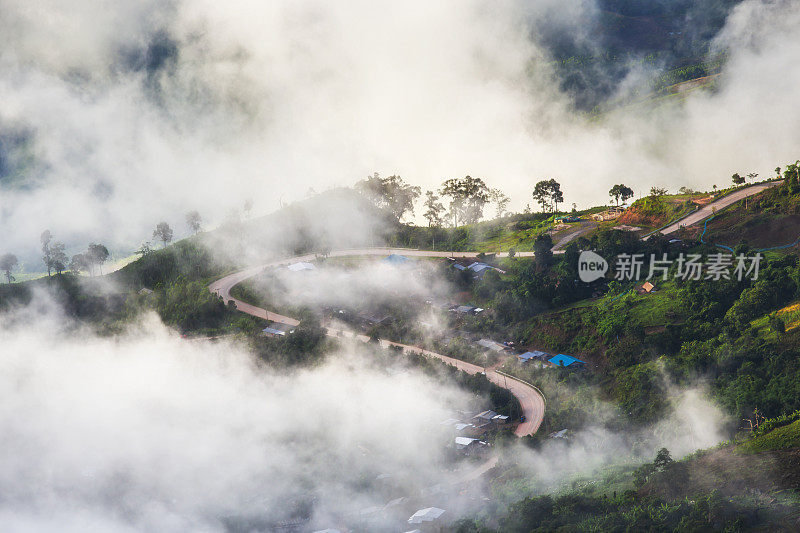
<point>468,196</point>
<point>194,221</point>
<point>500,200</point>
<point>737,179</point>
<point>58,257</point>
<point>620,192</point>
<point>248,207</point>
<point>45,239</point>
<point>548,193</point>
<point>433,209</point>
<point>163,233</point>
<point>392,194</point>
<point>543,250</point>
<point>96,255</point>
<point>8,262</point>
<point>79,263</point>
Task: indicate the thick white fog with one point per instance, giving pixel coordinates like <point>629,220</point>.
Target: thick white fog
<point>118,115</point>
<point>152,432</point>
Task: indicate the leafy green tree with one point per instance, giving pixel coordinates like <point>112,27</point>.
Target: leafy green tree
<point>392,194</point>
<point>8,262</point>
<point>660,191</point>
<point>79,263</point>
<point>500,200</point>
<point>663,459</point>
<point>45,239</point>
<point>543,250</point>
<point>620,192</point>
<point>548,194</point>
<point>163,233</point>
<point>96,255</point>
<point>194,221</point>
<point>776,324</point>
<point>737,179</point>
<point>58,257</point>
<point>468,197</point>
<point>433,209</point>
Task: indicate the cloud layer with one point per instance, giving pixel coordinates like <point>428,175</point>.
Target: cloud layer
<point>117,117</point>
<point>152,432</point>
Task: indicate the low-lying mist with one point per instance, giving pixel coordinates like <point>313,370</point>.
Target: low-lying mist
<point>148,431</point>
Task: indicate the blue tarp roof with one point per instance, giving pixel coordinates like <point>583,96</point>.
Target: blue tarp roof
<point>531,355</point>
<point>395,258</point>
<point>565,360</point>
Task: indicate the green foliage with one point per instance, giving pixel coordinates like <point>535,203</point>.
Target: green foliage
<point>186,259</point>
<point>305,345</point>
<point>190,306</point>
<point>778,439</point>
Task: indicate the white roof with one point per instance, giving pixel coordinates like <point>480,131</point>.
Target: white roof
<point>302,265</point>
<point>462,425</point>
<point>491,345</point>
<point>450,422</point>
<point>429,514</point>
<point>464,441</point>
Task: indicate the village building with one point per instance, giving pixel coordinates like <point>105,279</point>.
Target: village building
<point>277,329</point>
<point>531,356</point>
<point>300,266</point>
<point>426,516</point>
<point>566,360</point>
<point>491,345</point>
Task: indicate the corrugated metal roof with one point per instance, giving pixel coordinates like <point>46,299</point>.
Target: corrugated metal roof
<point>428,514</point>
<point>565,360</point>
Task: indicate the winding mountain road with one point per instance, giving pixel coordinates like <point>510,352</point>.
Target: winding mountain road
<point>530,398</point>
<point>711,208</point>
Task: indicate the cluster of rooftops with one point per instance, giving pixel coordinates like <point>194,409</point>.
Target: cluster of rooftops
<point>479,268</point>
<point>558,360</point>
<point>468,429</point>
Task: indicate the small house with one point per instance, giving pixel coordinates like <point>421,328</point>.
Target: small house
<point>491,345</point>
<point>647,288</point>
<point>469,446</point>
<point>484,417</point>
<point>532,355</point>
<point>566,360</point>
<point>427,515</point>
<point>396,260</point>
<point>276,329</point>
<point>300,266</point>
<point>467,309</point>
<point>500,420</point>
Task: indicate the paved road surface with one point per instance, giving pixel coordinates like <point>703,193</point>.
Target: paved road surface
<point>530,399</point>
<point>585,227</point>
<point>709,209</point>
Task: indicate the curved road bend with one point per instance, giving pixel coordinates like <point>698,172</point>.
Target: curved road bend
<point>531,401</point>
<point>709,209</point>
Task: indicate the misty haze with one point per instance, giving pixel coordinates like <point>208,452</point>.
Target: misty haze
<point>450,266</point>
